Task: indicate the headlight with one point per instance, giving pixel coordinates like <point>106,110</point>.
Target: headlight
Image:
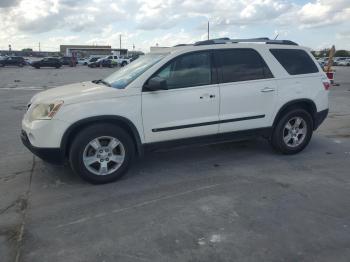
<point>44,111</point>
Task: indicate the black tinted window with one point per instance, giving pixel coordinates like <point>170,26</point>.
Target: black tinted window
<point>188,70</point>
<point>295,61</point>
<point>242,65</point>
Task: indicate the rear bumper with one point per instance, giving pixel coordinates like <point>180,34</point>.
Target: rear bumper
<point>51,155</point>
<point>320,117</point>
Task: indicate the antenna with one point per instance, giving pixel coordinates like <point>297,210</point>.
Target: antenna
<point>276,36</point>
<point>208,29</point>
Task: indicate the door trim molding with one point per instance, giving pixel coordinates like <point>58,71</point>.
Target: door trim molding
<point>207,123</point>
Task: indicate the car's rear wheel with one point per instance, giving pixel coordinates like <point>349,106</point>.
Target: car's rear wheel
<point>101,153</point>
<point>292,132</point>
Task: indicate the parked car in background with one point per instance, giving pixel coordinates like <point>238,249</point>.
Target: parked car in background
<point>2,57</point>
<point>67,60</point>
<point>337,60</point>
<point>13,61</point>
<point>91,62</point>
<point>133,58</point>
<point>195,93</point>
<point>119,60</point>
<point>47,62</point>
<point>28,61</point>
<point>345,62</point>
<point>83,61</point>
<point>104,62</point>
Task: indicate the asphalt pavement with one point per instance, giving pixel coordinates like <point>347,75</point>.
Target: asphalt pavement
<point>225,202</point>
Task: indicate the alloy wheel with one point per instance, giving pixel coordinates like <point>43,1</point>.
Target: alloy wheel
<point>294,131</point>
<point>103,155</point>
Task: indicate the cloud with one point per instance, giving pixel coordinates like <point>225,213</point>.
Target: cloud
<point>163,20</point>
<point>323,13</point>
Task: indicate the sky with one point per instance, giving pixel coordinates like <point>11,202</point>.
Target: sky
<point>143,23</point>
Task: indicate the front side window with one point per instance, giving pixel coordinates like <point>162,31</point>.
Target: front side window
<point>242,65</point>
<point>187,70</point>
<point>295,61</point>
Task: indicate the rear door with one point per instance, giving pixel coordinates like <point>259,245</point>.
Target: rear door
<point>247,90</point>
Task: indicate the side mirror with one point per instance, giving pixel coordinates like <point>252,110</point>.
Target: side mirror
<point>156,83</point>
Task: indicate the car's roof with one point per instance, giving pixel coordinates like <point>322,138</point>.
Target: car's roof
<point>257,43</point>
<point>257,46</point>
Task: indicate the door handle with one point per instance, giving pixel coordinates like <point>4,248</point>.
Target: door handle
<point>207,96</point>
<point>267,89</point>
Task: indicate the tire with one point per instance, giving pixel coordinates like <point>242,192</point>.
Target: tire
<point>84,145</point>
<point>37,67</point>
<point>295,140</point>
<point>124,63</point>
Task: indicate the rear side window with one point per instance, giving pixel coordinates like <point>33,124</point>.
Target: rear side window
<point>295,61</point>
<point>242,65</point>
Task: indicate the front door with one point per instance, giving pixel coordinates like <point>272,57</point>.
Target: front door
<point>190,105</point>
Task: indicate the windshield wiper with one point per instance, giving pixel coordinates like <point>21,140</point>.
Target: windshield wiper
<point>101,81</point>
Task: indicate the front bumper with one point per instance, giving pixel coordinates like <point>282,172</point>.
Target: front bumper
<point>51,155</point>
<point>320,117</point>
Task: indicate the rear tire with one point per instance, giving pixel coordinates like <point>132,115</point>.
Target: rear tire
<point>293,132</point>
<point>101,153</point>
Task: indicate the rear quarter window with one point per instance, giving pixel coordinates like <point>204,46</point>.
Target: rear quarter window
<point>295,61</point>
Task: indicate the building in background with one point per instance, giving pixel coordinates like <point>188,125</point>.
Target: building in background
<point>87,50</point>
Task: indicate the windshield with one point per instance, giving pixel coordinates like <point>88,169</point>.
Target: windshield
<point>129,73</point>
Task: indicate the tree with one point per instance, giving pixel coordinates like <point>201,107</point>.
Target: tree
<point>27,50</point>
<point>341,53</point>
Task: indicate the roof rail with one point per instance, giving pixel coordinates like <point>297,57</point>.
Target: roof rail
<point>226,40</point>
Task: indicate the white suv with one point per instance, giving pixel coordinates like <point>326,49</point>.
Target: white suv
<point>213,90</point>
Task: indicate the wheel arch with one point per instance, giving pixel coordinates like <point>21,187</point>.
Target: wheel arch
<point>122,122</point>
<point>306,104</point>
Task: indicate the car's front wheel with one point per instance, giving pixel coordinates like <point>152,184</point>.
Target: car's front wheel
<point>293,132</point>
<point>101,153</point>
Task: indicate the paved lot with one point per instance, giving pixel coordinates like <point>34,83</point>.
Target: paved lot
<point>227,202</point>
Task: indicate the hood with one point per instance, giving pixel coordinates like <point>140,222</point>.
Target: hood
<point>74,93</point>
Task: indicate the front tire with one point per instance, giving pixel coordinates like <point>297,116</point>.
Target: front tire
<point>101,153</point>
<point>292,132</point>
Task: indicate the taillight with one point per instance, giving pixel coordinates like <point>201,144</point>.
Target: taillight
<point>326,85</point>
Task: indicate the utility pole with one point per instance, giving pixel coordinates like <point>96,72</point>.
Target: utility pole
<point>39,47</point>
<point>208,30</point>
<point>120,42</point>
